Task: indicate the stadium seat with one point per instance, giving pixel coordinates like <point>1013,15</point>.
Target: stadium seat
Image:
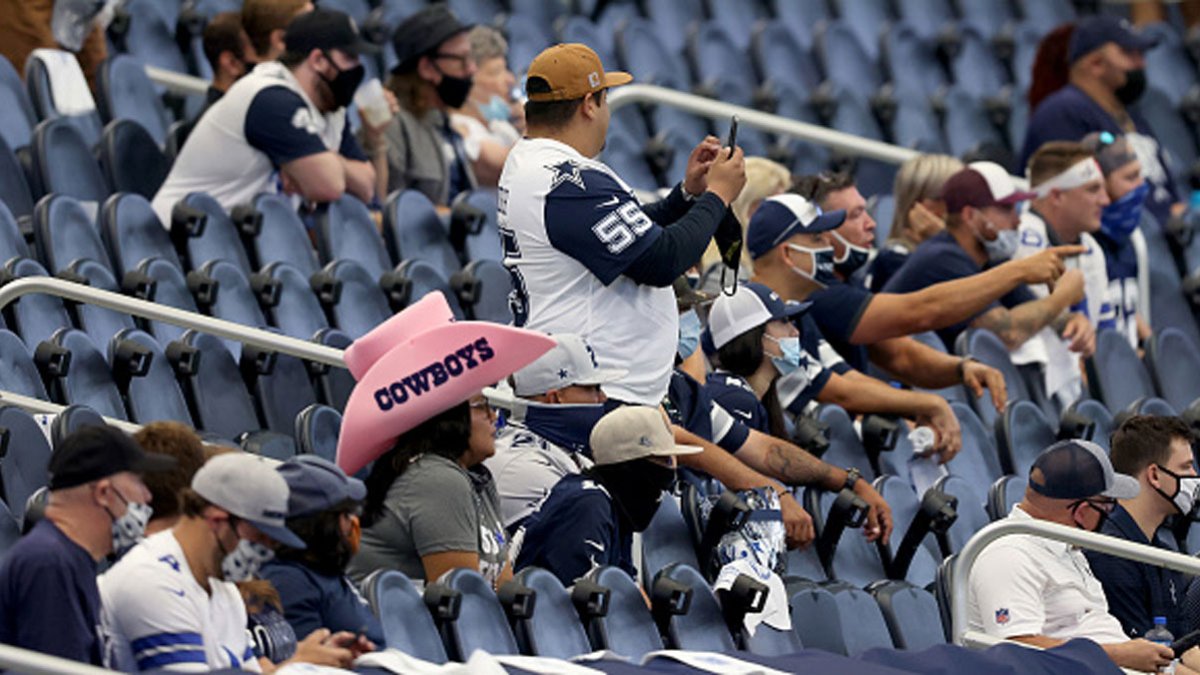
<point>965,123</point>
<point>987,16</point>
<point>1168,67</point>
<point>906,503</point>
<point>800,16</point>
<point>627,628</point>
<point>484,287</point>
<point>212,385</point>
<point>12,241</point>
<point>674,20</point>
<point>130,159</point>
<point>942,591</point>
<point>1151,405</point>
<point>235,299</point>
<point>815,618</point>
<point>845,447</point>
<point>911,615</point>
<point>978,462</point>
<point>215,239</point>
<point>133,233</point>
<point>933,341</point>
<point>782,61</point>
<point>1021,435</point>
<point>98,322</point>
<point>1115,375</point>
<point>126,93</point>
<point>280,386</point>
<point>347,232</point>
<point>666,540</point>
<point>975,68</point>
<point>527,37</point>
<point>988,349</point>
<point>407,625</point>
<point>1026,38</point>
<point>63,162</point>
<point>846,61</point>
<point>317,429</point>
<point>860,620</point>
<point>724,67</point>
<point>1099,414</point>
<point>895,461</point>
<point>17,117</point>
<point>423,278</point>
<point>576,28</point>
<point>276,234</point>
<point>71,419</point>
<point>480,623</point>
<point>866,18</point>
<point>1005,492</point>
<point>476,11</point>
<point>626,156</point>
<point>64,231</point>
<point>15,193</point>
<point>915,126</point>
<point>87,379</point>
<point>738,19</point>
<point>702,627</point>
<point>356,9</point>
<point>297,312</point>
<point>855,560</point>
<point>34,317</point>
<point>929,18</point>
<point>972,516</point>
<point>882,208</point>
<point>1047,12</point>
<point>414,231</point>
<point>678,130</point>
<point>553,629</point>
<point>49,72</point>
<point>151,392</point>
<point>150,36</point>
<point>333,384</point>
<point>10,529</point>
<point>361,305</point>
<point>1174,363</point>
<point>1166,122</point>
<point>24,460</point>
<point>648,58</point>
<point>482,241</point>
<point>18,374</point>
<point>162,282</point>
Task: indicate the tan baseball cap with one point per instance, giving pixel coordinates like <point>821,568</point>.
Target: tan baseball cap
<point>573,71</point>
<point>634,432</point>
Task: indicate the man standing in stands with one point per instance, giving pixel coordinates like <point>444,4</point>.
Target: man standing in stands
<point>1042,592</point>
<point>1107,76</point>
<point>282,127</point>
<point>49,601</point>
<point>265,22</point>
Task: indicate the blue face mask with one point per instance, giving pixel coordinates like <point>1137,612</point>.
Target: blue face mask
<point>789,362</point>
<point>1120,218</point>
<point>822,264</point>
<point>568,426</point>
<point>853,259</point>
<point>689,333</point>
<point>495,110</point>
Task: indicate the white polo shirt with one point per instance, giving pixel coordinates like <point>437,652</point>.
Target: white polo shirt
<point>1026,585</point>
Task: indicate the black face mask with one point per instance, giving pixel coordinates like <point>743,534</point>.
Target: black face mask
<point>1134,87</point>
<point>454,90</point>
<point>636,487</point>
<point>343,85</point>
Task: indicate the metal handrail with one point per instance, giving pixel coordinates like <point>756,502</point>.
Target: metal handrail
<point>19,660</point>
<point>228,330</point>
<point>37,405</point>
<point>177,82</point>
<point>1120,548</point>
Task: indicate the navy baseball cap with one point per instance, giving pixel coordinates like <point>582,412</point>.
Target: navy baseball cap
<point>1078,469</point>
<point>751,306</point>
<point>1094,32</point>
<point>424,32</point>
<point>782,216</point>
<point>316,484</point>
<point>95,452</point>
<point>325,29</point>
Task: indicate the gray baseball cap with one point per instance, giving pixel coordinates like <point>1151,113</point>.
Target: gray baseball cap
<point>571,362</point>
<point>634,432</point>
<point>249,487</point>
<point>1078,469</point>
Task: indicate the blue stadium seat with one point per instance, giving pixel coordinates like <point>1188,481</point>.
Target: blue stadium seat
<point>703,627</point>
<point>752,141</point>
<point>845,447</point>
<point>883,208</point>
<point>782,60</point>
<point>1166,122</point>
<point>69,420</point>
<point>98,322</point>
<point>424,278</point>
<point>816,619</point>
<point>216,239</point>
<point>18,374</point>
<point>895,462</point>
<point>317,429</point>
<point>855,560</point>
<point>15,192</point>
<point>972,516</point>
<point>23,463</point>
<point>739,19</point>
<point>64,231</point>
<point>527,37</point>
<point>130,159</point>
<point>906,503</point>
<point>1174,363</point>
<point>627,628</point>
<point>543,13</point>
<point>1026,37</point>
<point>347,232</point>
<point>1168,67</point>
<point>988,349</point>
<point>333,384</point>
<point>800,16</point>
<point>297,312</point>
<point>723,66</point>
<point>34,317</point>
<point>361,305</point>
<point>861,621</point>
<point>674,20</point>
<point>866,18</point>
<point>651,61</point>
<point>1152,405</point>
<point>484,286</point>
<point>280,386</point>
<point>1115,374</point>
<point>151,34</point>
<point>235,299</point>
<point>975,68</point>
<point>575,28</point>
<point>681,131</point>
<point>625,155</point>
<point>987,16</point>
<point>63,162</point>
<point>1005,492</point>
<point>554,629</point>
<point>846,61</point>
<point>1099,414</point>
<point>1021,435</point>
<point>476,11</point>
<point>407,625</point>
<point>165,284</point>
<point>966,123</point>
<point>278,235</point>
<point>911,615</point>
<point>17,117</point>
<point>666,540</point>
<point>1047,12</point>
<point>480,623</point>
<point>932,340</point>
<point>43,67</point>
<point>12,242</point>
<point>357,9</point>
<point>132,233</point>
<point>482,242</point>
<point>911,60</point>
<point>928,17</point>
<point>213,387</point>
<point>414,231</point>
<point>1168,306</point>
<point>977,462</point>
<point>915,126</point>
<point>87,379</point>
<point>126,92</point>
<point>154,394</point>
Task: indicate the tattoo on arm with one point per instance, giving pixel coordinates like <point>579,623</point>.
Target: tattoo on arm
<point>795,466</point>
<point>1017,325</point>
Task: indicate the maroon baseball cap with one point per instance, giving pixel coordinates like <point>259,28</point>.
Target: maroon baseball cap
<point>981,184</point>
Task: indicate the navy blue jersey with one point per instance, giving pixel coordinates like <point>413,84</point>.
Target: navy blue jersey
<point>734,394</point>
<point>885,264</point>
<point>690,406</point>
<point>837,309</point>
<point>312,600</point>
<point>270,127</point>
<point>939,259</point>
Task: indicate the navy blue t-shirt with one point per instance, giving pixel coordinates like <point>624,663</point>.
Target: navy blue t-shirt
<point>49,601</point>
<point>312,600</point>
<point>689,405</point>
<point>885,264</point>
<point>734,394</point>
<point>1069,114</point>
<point>575,530</point>
<point>939,259</point>
<point>837,309</point>
<point>269,127</point>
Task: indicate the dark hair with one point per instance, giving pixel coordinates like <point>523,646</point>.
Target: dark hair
<point>549,114</point>
<point>291,59</point>
<point>742,356</point>
<point>328,551</point>
<point>192,504</point>
<point>175,440</point>
<point>223,34</point>
<point>1144,440</point>
<point>1051,71</point>
<point>1053,158</point>
<point>447,435</point>
<point>817,187</point>
<point>260,18</point>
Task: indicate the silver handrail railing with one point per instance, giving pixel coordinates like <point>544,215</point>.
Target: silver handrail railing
<point>229,330</point>
<point>19,660</point>
<point>177,82</point>
<point>1083,539</point>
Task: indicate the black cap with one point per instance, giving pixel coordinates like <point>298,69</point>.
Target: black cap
<point>325,29</point>
<point>1078,469</point>
<point>96,452</point>
<point>423,32</point>
<point>1094,32</point>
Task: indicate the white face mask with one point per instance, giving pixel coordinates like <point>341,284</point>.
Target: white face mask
<point>130,528</point>
<point>1186,488</point>
<point>1002,248</point>
<point>244,562</point>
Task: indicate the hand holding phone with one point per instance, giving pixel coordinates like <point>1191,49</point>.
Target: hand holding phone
<point>731,141</point>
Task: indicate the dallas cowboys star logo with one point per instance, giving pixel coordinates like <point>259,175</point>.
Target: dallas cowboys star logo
<point>563,374</point>
<point>566,172</point>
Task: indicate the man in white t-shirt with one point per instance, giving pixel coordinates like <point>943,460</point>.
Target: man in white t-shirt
<point>585,256</point>
<point>1043,592</point>
<point>1070,199</point>
<point>171,603</point>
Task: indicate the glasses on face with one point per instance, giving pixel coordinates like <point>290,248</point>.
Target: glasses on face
<point>463,59</point>
<point>483,406</point>
<point>1102,505</point>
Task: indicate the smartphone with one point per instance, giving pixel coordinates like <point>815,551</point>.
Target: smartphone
<point>731,141</point>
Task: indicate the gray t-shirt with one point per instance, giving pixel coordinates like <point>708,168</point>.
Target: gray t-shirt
<point>435,506</point>
<point>419,156</point>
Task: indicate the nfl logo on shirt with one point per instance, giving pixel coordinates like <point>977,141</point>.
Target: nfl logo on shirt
<point>1002,616</point>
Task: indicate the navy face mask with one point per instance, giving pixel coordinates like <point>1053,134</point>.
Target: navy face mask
<point>1120,218</point>
<point>568,426</point>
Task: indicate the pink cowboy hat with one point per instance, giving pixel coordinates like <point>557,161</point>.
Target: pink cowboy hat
<point>421,363</point>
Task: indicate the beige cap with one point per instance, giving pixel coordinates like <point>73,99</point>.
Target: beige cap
<point>573,71</point>
<point>635,432</point>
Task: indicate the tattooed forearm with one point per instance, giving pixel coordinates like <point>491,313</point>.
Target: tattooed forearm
<point>1015,326</point>
<point>794,466</point>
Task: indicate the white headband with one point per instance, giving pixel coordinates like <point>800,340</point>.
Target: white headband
<point>1080,173</point>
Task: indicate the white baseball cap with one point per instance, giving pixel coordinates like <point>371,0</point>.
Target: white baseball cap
<point>571,362</point>
<point>249,487</point>
<point>751,306</point>
<point>634,432</point>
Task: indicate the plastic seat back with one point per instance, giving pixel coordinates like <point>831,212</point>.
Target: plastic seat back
<point>131,160</point>
<point>725,66</point>
<point>280,393</point>
<point>988,349</point>
<point>703,627</point>
<point>126,93</point>
<point>1174,362</point>
<point>64,231</point>
<point>1022,434</point>
<point>667,540</point>
<point>72,419</point>
<point>482,243</point>
<point>425,279</point>
<point>216,395</point>
<point>481,623</point>
<point>816,618</point>
<point>906,503</point>
<point>863,626</point>
<point>648,58</point>
<point>34,317</point>
<point>12,241</point>
<point>15,193</point>
<point>17,117</point>
<point>297,313</point>
<point>234,301</point>
<point>554,629</point>
<point>133,233</point>
<point>333,384</point>
<point>1115,374</point>
<point>88,379</point>
<point>855,561</point>
<point>489,284</point>
<point>977,462</point>
<point>783,60</point>
<point>627,629</point>
<point>1152,406</point>
<point>18,374</point>
<point>170,288</point>
<point>1003,494</point>
<point>975,68</point>
<point>155,395</point>
<point>347,232</point>
<point>847,60</point>
<point>218,239</point>
<point>1096,412</point>
<point>281,236</point>
<point>911,615</point>
<point>317,429</point>
<point>63,162</point>
<point>362,304</point>
<point>98,322</point>
<point>414,231</point>
<point>845,447</point>
<point>25,458</point>
<point>972,516</point>
<point>966,124</point>
<point>407,625</point>
<point>52,71</point>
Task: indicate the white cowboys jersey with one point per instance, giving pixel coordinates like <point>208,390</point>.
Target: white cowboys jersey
<point>570,228</point>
